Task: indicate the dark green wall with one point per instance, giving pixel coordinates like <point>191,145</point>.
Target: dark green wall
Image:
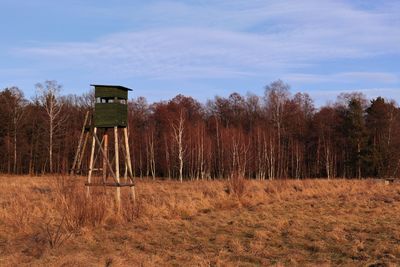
<point>110,92</point>
<point>110,115</point>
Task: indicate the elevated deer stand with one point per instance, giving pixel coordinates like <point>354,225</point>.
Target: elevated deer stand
<point>110,113</point>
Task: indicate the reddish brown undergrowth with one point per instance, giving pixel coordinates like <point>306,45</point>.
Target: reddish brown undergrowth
<point>49,221</point>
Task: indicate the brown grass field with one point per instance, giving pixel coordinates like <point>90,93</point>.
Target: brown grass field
<point>47,221</point>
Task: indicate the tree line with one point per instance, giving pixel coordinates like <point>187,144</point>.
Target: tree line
<point>277,135</point>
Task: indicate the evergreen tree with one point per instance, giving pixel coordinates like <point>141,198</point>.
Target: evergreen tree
<point>354,126</point>
<point>380,122</point>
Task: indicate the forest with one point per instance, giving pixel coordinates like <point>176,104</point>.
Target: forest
<point>274,136</point>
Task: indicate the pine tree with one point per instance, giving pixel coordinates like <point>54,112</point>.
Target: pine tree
<point>355,129</point>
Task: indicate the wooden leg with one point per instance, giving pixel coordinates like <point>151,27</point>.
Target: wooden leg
<point>79,149</point>
<point>126,171</point>
<point>129,163</point>
<point>105,158</point>
<point>99,151</point>
<point>133,194</point>
<point>128,154</point>
<point>91,161</point>
<point>102,152</point>
<point>118,196</point>
<point>78,167</point>
<point>126,163</point>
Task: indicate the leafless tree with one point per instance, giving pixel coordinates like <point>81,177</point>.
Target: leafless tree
<point>178,127</point>
<point>18,113</point>
<point>277,93</point>
<point>48,95</point>
<point>13,103</point>
<point>150,153</point>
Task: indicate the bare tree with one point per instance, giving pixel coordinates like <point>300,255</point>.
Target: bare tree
<point>277,93</point>
<point>48,95</point>
<point>18,113</point>
<point>151,162</point>
<point>200,156</point>
<point>178,127</point>
<point>13,101</point>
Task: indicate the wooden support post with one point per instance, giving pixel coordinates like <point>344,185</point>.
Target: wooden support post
<point>129,163</point>
<point>126,171</point>
<point>126,163</point>
<point>105,158</point>
<point>98,153</point>
<point>128,153</point>
<point>118,196</point>
<point>79,165</point>
<point>78,151</point>
<point>91,161</point>
<point>102,152</point>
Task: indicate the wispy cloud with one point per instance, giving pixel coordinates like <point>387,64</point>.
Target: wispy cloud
<point>211,46</point>
<point>349,77</point>
<point>229,39</point>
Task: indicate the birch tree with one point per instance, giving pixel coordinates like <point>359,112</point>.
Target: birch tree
<point>276,94</point>
<point>48,95</point>
<point>178,127</point>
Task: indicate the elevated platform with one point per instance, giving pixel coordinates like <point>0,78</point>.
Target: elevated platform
<point>111,184</point>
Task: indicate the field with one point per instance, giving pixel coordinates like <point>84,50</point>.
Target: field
<point>48,221</point>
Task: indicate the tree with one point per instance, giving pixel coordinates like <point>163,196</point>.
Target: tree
<point>13,103</point>
<point>48,95</point>
<point>276,96</point>
<point>298,118</point>
<point>354,127</point>
<point>178,127</point>
<point>381,124</point>
<point>326,136</point>
<point>284,136</point>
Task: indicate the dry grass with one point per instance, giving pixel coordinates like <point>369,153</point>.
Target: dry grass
<point>47,221</point>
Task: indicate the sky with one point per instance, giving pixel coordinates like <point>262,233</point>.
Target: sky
<point>203,48</point>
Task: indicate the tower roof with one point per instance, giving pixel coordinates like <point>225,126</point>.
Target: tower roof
<point>112,86</point>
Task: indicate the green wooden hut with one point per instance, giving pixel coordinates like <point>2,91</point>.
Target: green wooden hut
<point>111,107</point>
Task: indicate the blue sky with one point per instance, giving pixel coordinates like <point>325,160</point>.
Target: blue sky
<point>203,48</point>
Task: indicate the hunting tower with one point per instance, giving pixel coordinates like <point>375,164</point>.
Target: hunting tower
<point>110,113</point>
<point>111,109</point>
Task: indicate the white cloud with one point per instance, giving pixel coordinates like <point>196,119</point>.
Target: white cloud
<point>380,77</point>
<point>233,38</point>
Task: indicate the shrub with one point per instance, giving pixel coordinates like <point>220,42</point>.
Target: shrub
<point>237,185</point>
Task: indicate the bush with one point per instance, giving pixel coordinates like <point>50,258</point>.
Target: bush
<point>237,185</point>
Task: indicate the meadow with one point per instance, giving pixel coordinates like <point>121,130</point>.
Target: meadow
<point>48,221</point>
